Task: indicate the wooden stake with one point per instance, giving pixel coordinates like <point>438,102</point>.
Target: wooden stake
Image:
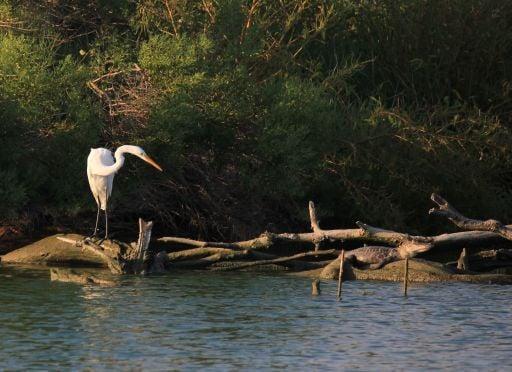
<point>463,262</point>
<point>406,276</point>
<point>340,277</point>
<point>315,287</point>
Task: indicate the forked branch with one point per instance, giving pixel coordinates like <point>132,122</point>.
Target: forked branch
<point>445,209</point>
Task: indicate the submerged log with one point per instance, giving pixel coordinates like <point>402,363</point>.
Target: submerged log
<point>73,276</point>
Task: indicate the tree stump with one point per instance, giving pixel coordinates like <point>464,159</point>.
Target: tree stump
<point>463,261</point>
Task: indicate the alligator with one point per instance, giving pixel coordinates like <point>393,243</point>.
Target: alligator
<point>375,257</point>
<point>372,257</point>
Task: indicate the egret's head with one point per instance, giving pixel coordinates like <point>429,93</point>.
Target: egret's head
<point>147,159</point>
<point>139,152</point>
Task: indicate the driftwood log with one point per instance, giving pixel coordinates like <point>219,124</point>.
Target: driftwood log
<point>121,258</point>
<point>396,246</point>
<point>266,250</point>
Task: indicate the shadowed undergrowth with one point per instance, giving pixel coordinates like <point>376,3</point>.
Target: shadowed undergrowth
<point>255,107</point>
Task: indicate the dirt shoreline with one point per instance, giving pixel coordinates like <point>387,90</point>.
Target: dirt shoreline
<point>52,252</point>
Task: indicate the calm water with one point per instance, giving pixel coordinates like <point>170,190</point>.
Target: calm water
<point>234,321</point>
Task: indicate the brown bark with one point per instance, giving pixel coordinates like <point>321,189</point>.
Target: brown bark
<point>315,288</point>
<point>463,262</point>
<point>120,257</point>
<point>107,251</point>
<point>196,254</point>
<point>204,262</point>
<point>408,245</point>
<point>447,210</point>
<point>243,265</point>
<point>140,255</point>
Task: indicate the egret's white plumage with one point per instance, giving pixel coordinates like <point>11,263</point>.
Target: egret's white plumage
<point>102,166</point>
<point>101,186</point>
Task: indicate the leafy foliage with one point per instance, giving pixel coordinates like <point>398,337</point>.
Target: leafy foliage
<point>255,107</point>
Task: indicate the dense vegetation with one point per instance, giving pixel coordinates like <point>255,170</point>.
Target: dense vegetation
<point>255,107</point>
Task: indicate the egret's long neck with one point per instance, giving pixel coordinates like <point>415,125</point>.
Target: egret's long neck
<point>107,170</point>
<point>119,156</point>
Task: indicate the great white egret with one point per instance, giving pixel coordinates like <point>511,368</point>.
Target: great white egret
<point>101,169</point>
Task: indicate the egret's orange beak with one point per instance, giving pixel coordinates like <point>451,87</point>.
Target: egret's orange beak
<point>147,159</point>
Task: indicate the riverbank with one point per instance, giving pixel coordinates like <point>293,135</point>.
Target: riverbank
<point>293,252</point>
<point>53,252</point>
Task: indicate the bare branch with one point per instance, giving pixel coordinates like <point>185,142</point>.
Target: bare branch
<point>244,265</point>
<point>445,209</point>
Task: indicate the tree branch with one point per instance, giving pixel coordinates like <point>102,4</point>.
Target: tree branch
<point>312,216</point>
<point>279,260</point>
<point>445,209</point>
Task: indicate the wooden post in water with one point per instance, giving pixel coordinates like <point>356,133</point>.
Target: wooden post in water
<point>315,287</point>
<point>340,277</point>
<point>406,275</point>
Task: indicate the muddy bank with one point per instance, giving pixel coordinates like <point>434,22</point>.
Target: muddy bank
<point>52,251</point>
<point>420,271</point>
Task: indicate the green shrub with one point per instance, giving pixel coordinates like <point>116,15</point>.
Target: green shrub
<point>365,107</point>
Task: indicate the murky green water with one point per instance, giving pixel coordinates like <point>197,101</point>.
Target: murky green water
<point>234,321</point>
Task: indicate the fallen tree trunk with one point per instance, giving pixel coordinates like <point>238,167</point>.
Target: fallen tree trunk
<point>244,265</point>
<point>447,210</point>
<point>409,245</point>
<point>121,258</point>
<point>204,262</point>
<point>207,253</point>
<point>107,252</point>
<point>197,253</point>
<point>184,253</point>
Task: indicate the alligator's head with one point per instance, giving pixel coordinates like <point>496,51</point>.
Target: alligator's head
<point>411,249</point>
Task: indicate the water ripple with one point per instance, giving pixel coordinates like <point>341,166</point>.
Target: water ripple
<point>231,321</point>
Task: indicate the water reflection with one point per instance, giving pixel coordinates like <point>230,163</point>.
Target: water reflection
<point>250,321</point>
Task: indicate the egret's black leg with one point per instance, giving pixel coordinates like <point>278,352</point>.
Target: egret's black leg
<point>95,233</point>
<point>97,220</point>
<point>106,214</point>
